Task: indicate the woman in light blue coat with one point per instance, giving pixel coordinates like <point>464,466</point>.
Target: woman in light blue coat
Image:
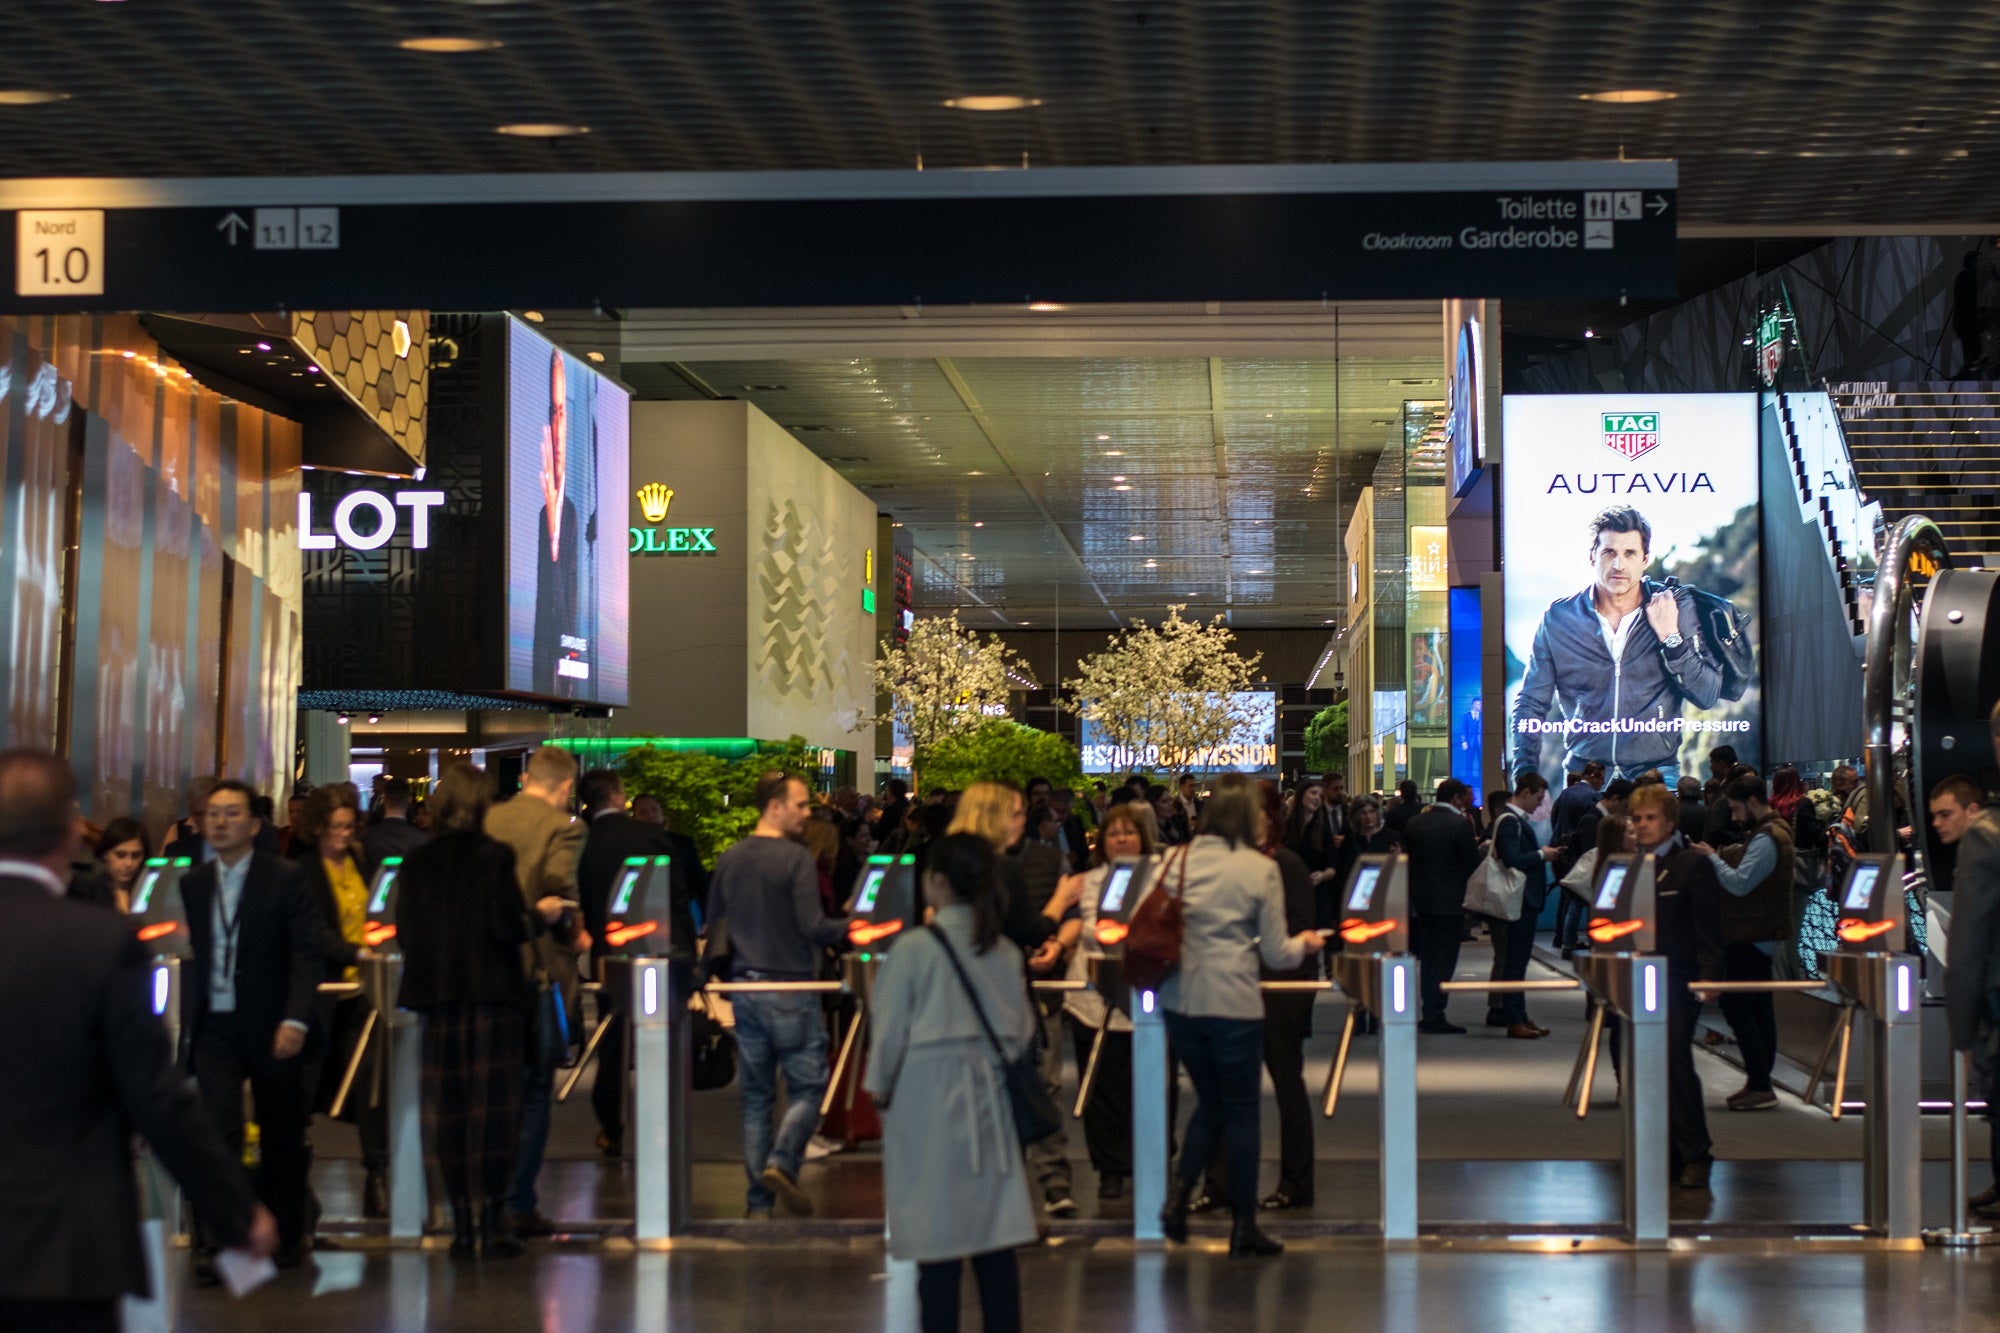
<point>952,1172</point>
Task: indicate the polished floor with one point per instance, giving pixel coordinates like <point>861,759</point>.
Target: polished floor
<point>1105,1287</point>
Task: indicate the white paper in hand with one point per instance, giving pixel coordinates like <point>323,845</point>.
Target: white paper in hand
<point>242,1272</point>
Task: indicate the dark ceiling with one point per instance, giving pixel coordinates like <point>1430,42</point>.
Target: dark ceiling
<point>1788,116</point>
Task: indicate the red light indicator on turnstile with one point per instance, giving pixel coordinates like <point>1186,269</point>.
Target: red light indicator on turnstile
<point>1357,931</point>
<point>1603,929</point>
<point>159,930</point>
<point>1112,932</point>
<point>618,934</point>
<point>867,932</point>
<point>1854,930</point>
<point>378,934</point>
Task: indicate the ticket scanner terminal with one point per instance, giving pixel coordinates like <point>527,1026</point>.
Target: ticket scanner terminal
<point>1622,975</point>
<point>639,907</point>
<point>1879,982</point>
<point>1379,976</point>
<point>885,904</point>
<point>391,1034</point>
<point>159,918</point>
<point>1125,883</point>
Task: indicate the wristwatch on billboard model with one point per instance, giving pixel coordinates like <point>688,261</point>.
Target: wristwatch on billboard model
<point>1672,640</point>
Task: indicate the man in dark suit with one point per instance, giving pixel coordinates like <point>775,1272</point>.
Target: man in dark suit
<point>614,835</point>
<point>1443,854</point>
<point>92,1069</point>
<point>249,1003</point>
<point>393,834</point>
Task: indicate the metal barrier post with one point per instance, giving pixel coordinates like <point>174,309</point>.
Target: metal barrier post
<point>166,997</point>
<point>402,1060</point>
<point>1644,1103</point>
<point>659,1025</point>
<point>1149,1117</point>
<point>1398,1101</point>
<point>1960,1235</point>
<point>1895,1133</point>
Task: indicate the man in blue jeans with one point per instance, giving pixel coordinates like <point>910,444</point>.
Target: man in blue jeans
<point>766,888</point>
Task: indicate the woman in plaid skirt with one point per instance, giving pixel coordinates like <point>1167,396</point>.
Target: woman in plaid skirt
<point>462,924</point>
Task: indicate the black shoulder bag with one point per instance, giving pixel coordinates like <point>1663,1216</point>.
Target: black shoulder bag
<point>1722,631</point>
<point>1036,1115</point>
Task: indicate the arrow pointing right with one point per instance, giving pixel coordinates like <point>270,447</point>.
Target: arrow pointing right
<point>233,224</point>
<point>1657,204</point>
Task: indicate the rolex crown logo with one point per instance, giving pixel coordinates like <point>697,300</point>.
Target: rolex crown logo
<point>653,501</point>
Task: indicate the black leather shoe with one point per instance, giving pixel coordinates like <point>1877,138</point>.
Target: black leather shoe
<point>1246,1241</point>
<point>609,1145</point>
<point>530,1224</point>
<point>496,1233</point>
<point>1497,1018</point>
<point>464,1235</point>
<point>1441,1028</point>
<point>1694,1176</point>
<point>1205,1202</point>
<point>1278,1201</point>
<point>1174,1213</point>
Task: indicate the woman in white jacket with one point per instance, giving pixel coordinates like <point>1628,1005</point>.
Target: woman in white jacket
<point>952,1172</point>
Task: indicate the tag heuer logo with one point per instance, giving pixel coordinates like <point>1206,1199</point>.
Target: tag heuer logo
<point>1632,433</point>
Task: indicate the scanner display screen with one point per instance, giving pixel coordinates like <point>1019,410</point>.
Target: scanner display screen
<point>1608,887</point>
<point>1861,888</point>
<point>147,883</point>
<point>1363,892</point>
<point>621,900</point>
<point>384,886</point>
<point>871,890</point>
<point>1117,885</point>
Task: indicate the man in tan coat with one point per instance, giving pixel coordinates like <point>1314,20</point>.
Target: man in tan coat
<point>537,825</point>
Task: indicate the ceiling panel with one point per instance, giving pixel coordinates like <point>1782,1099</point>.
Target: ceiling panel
<point>1797,116</point>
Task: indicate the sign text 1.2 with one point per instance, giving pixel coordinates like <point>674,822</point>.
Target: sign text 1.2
<point>59,252</point>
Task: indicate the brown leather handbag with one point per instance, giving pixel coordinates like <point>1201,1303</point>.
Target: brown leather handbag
<point>1153,937</point>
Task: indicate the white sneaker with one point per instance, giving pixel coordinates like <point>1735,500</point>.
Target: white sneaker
<point>820,1146</point>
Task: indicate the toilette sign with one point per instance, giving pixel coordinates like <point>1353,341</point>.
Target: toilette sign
<point>368,520</point>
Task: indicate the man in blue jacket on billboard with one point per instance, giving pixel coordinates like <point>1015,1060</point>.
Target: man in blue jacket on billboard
<point>1614,666</point>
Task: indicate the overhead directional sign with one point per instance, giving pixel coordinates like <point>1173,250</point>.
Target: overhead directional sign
<point>1576,229</point>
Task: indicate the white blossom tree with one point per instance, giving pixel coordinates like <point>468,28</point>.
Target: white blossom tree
<point>944,680</point>
<point>1166,695</point>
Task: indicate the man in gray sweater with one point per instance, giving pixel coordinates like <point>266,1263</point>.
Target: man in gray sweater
<point>766,889</point>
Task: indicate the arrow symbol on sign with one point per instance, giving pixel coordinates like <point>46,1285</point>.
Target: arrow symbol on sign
<point>1657,204</point>
<point>234,224</point>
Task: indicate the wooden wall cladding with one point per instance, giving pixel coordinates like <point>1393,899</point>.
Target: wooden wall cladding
<point>174,483</point>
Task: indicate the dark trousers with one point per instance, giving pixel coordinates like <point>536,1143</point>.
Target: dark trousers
<point>1570,912</point>
<point>999,1277</point>
<point>229,1052</point>
<point>1222,1058</point>
<point>471,1091</point>
<point>1687,1121</point>
<point>58,1317</point>
<point>1107,1118</point>
<point>1513,945</point>
<point>607,1092</point>
<point>1436,940</point>
<point>1287,1024</point>
<point>1753,1017</point>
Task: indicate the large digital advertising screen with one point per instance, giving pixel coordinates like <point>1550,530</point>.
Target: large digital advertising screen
<point>1633,617</point>
<point>1252,748</point>
<point>568,461</point>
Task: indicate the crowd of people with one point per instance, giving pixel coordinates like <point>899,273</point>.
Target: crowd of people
<point>503,904</point>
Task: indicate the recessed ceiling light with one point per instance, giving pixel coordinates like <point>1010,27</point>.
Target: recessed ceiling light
<point>1590,333</point>
<point>1152,564</point>
<point>1630,96</point>
<point>449,46</point>
<point>975,474</point>
<point>1046,306</point>
<point>1260,571</point>
<point>540,129</point>
<point>532,316</point>
<point>1114,453</point>
<point>1103,437</point>
<point>30,96</point>
<point>992,102</point>
<point>595,356</point>
<point>1137,537</point>
<point>1027,622</point>
<point>1121,488</point>
<point>978,525</point>
<point>1118,478</point>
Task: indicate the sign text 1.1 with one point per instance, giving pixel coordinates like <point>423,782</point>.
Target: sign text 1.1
<point>673,541</point>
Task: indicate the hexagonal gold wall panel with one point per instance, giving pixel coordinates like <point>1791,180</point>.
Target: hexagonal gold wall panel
<point>380,360</point>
